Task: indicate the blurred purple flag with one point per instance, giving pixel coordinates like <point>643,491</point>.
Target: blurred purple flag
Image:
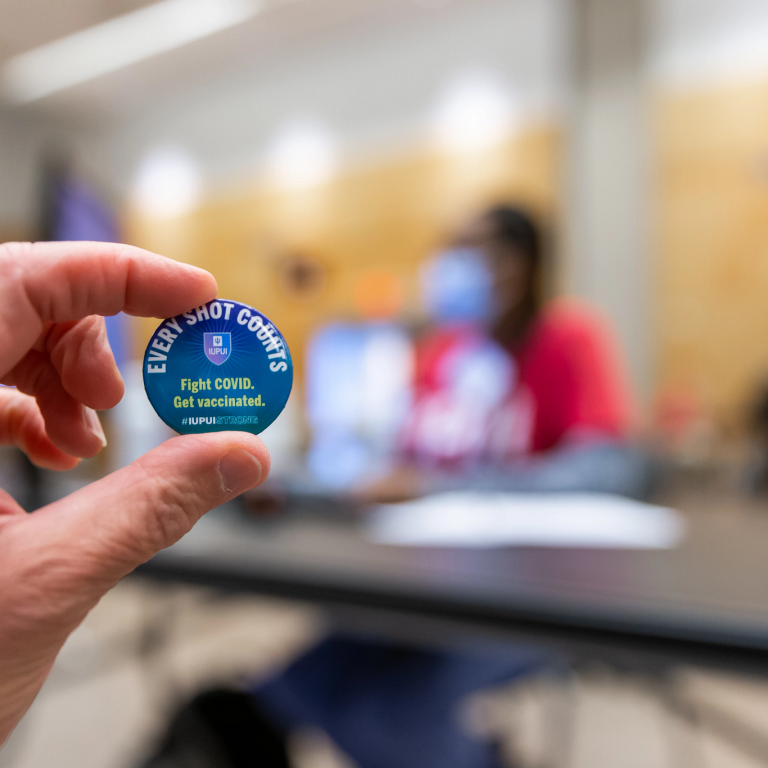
<point>78,213</point>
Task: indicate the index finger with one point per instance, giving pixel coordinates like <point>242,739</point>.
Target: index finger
<point>59,282</point>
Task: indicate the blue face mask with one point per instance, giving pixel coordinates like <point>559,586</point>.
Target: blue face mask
<point>457,286</point>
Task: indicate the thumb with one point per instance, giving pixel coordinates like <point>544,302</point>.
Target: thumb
<point>58,562</point>
<point>92,538</point>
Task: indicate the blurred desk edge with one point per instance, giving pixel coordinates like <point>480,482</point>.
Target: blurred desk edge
<point>390,612</point>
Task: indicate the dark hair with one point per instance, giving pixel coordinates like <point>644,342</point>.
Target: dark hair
<point>516,228</point>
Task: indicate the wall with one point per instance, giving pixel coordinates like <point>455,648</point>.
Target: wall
<point>712,246</point>
<point>375,91</point>
<point>701,43</point>
<point>385,217</point>
<point>705,65</point>
<point>395,200</point>
<point>21,151</point>
<point>708,66</point>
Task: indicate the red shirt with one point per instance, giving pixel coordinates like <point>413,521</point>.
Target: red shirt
<point>567,382</point>
<point>570,364</point>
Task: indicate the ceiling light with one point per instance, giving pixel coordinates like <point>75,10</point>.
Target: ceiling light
<point>473,113</point>
<point>303,155</point>
<point>117,43</point>
<point>167,183</point>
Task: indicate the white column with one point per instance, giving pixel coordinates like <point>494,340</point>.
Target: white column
<point>607,174</point>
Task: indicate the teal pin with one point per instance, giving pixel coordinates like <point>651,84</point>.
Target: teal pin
<point>220,366</point>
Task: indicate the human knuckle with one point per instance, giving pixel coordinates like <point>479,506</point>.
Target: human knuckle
<point>12,258</point>
<point>11,252</point>
<point>15,414</point>
<point>172,506</point>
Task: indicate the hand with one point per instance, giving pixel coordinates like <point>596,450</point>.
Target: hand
<point>56,564</point>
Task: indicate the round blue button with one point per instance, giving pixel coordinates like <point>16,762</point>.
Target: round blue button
<point>218,367</point>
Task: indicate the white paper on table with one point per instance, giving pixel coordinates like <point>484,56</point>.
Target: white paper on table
<point>479,519</point>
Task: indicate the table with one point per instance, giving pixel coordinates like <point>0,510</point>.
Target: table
<point>635,612</point>
<point>705,602</point>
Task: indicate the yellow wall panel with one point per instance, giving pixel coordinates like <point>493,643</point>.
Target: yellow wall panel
<point>712,245</point>
<point>385,215</point>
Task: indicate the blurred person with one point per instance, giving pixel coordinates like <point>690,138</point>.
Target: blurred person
<point>56,563</point>
<point>511,393</point>
<point>528,396</point>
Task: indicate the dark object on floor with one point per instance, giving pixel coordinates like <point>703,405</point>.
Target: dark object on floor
<point>220,728</point>
<point>389,705</point>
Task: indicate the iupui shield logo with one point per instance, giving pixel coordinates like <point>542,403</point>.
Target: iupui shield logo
<point>218,346</point>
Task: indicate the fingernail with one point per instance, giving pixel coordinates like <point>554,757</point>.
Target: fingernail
<point>93,425</point>
<point>239,471</point>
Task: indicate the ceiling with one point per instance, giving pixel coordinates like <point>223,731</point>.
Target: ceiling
<point>285,28</point>
<point>25,24</point>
